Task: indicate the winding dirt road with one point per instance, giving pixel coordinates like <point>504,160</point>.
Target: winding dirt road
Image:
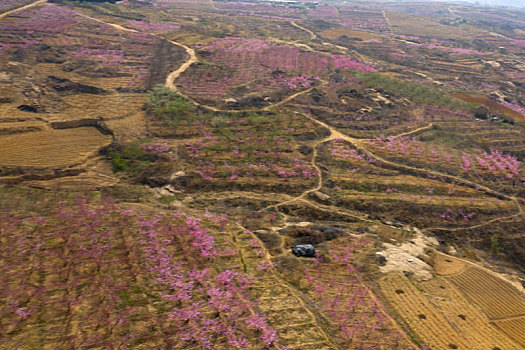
<point>170,79</point>
<point>312,34</point>
<point>39,2</point>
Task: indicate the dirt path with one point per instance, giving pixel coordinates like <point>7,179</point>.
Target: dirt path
<point>39,2</point>
<point>312,34</point>
<point>319,179</point>
<point>170,79</point>
<point>116,26</point>
<point>387,20</point>
<point>360,145</point>
<point>415,131</point>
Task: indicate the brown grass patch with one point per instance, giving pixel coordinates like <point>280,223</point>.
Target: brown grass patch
<point>402,23</point>
<point>446,265</point>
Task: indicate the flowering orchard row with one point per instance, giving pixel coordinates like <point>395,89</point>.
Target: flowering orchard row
<point>238,66</point>
<point>336,284</point>
<point>438,200</point>
<point>482,163</point>
<point>267,153</point>
<point>6,5</point>
<point>35,25</point>
<point>95,272</point>
<point>453,50</point>
<point>259,10</point>
<point>126,54</point>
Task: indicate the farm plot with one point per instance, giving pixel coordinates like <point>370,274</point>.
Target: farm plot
<point>464,317</point>
<point>446,265</point>
<point>295,324</point>
<point>420,315</point>
<point>259,10</point>
<point>350,33</point>
<point>357,111</point>
<point>106,107</point>
<point>62,43</point>
<point>502,304</point>
<point>273,71</point>
<point>495,297</point>
<point>355,316</point>
<point>252,152</point>
<point>492,105</point>
<point>51,148</point>
<point>506,138</point>
<point>98,274</point>
<point>514,328</point>
<point>421,26</point>
<point>357,181</point>
<point>363,18</point>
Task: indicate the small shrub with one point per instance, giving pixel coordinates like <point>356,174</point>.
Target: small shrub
<point>119,163</point>
<point>164,103</point>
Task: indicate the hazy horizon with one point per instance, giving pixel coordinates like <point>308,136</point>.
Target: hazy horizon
<point>512,3</point>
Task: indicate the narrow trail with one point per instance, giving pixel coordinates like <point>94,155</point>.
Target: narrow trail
<point>312,34</point>
<point>113,25</point>
<point>415,131</point>
<point>170,79</point>
<point>192,58</point>
<point>292,43</point>
<point>39,2</point>
<point>387,20</point>
<point>319,179</point>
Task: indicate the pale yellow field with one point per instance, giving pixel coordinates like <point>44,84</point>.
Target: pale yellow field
<point>50,148</point>
<point>463,316</point>
<point>105,106</point>
<point>501,304</point>
<point>495,297</point>
<point>419,314</point>
<point>514,328</point>
<point>402,23</point>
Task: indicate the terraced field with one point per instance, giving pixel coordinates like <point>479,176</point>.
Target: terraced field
<point>501,300</point>
<point>414,309</point>
<point>436,303</point>
<point>334,126</point>
<point>464,317</point>
<point>51,148</point>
